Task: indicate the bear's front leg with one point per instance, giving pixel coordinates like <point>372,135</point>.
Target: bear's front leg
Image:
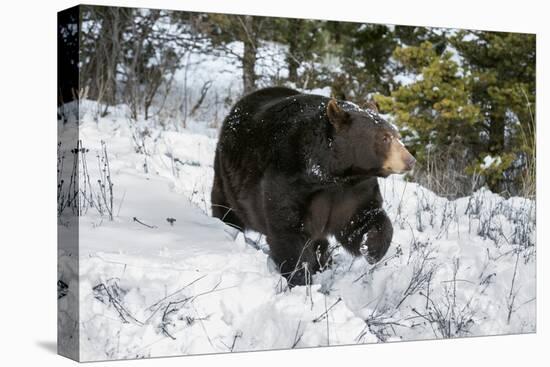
<point>368,233</point>
<point>296,256</point>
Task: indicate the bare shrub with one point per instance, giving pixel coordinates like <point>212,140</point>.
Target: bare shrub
<point>446,316</point>
<point>105,184</point>
<point>79,194</point>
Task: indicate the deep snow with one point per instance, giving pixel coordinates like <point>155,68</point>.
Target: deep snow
<point>151,288</point>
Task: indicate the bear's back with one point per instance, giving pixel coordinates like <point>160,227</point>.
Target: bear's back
<point>263,98</point>
<point>260,126</point>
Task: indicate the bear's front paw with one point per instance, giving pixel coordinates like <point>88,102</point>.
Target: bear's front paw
<point>371,259</point>
<point>374,246</point>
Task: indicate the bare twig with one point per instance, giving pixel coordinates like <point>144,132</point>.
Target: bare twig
<point>143,224</point>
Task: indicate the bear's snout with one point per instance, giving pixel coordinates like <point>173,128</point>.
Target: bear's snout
<point>398,159</point>
<point>409,162</point>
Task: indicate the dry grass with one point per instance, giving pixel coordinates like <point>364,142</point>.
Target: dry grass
<point>444,172</point>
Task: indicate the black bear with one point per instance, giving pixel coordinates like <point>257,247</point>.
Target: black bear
<point>300,167</point>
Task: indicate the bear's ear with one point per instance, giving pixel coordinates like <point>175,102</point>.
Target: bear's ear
<point>336,115</point>
<point>371,105</point>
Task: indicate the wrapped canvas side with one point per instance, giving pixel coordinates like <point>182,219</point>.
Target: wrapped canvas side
<point>68,185</point>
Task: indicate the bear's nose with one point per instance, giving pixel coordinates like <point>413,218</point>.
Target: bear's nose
<point>410,163</point>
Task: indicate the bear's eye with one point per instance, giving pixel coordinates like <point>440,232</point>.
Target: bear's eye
<point>386,138</point>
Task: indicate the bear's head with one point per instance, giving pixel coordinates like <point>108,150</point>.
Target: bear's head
<point>365,144</point>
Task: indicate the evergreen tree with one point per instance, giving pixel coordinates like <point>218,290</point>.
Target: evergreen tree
<point>305,41</point>
<point>365,59</point>
<point>433,110</point>
<point>504,66</point>
<point>363,52</point>
<point>415,36</point>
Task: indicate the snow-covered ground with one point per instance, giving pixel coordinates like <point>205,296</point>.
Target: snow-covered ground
<point>149,287</point>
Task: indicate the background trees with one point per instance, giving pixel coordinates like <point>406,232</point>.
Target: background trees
<point>463,100</point>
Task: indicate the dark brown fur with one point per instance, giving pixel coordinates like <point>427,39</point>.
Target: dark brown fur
<point>299,168</point>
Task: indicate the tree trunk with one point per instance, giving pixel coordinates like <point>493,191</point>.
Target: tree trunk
<point>496,134</point>
<point>113,56</point>
<point>249,54</point>
<point>294,29</point>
